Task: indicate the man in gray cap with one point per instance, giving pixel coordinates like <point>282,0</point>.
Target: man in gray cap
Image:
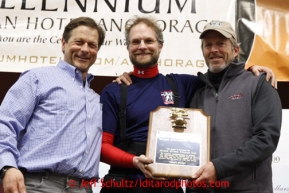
<point>245,118</point>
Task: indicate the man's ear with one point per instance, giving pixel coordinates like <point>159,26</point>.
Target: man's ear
<point>236,51</point>
<point>161,46</point>
<point>63,44</point>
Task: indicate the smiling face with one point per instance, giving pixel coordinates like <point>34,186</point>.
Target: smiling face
<point>218,51</point>
<point>81,48</point>
<point>144,48</point>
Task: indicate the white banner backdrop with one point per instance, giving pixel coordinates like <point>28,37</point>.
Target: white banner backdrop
<point>31,31</point>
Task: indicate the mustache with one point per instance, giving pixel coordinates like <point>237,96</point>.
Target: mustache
<point>142,52</point>
<point>215,56</point>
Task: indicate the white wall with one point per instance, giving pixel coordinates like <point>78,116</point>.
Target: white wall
<point>281,158</point>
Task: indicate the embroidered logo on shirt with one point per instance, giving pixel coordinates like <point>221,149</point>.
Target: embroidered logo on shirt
<point>236,96</point>
<point>140,72</point>
<point>168,97</point>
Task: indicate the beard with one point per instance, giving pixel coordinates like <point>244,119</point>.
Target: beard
<point>144,64</point>
<point>216,69</point>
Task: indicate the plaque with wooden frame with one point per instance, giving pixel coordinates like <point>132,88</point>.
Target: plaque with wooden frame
<point>178,141</point>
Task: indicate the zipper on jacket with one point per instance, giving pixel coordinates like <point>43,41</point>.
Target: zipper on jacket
<point>216,97</point>
<point>254,173</point>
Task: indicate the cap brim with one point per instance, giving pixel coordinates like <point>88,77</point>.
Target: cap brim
<point>224,33</point>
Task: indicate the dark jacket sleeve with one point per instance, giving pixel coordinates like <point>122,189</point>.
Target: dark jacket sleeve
<point>266,121</point>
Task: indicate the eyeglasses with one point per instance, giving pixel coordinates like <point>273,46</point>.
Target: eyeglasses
<point>137,42</point>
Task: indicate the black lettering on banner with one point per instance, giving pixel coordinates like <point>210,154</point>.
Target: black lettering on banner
<point>82,7</point>
<point>23,6</point>
<point>112,5</point>
<point>8,20</point>
<point>3,6</point>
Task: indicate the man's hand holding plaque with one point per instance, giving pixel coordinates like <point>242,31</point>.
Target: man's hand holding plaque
<point>142,162</point>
